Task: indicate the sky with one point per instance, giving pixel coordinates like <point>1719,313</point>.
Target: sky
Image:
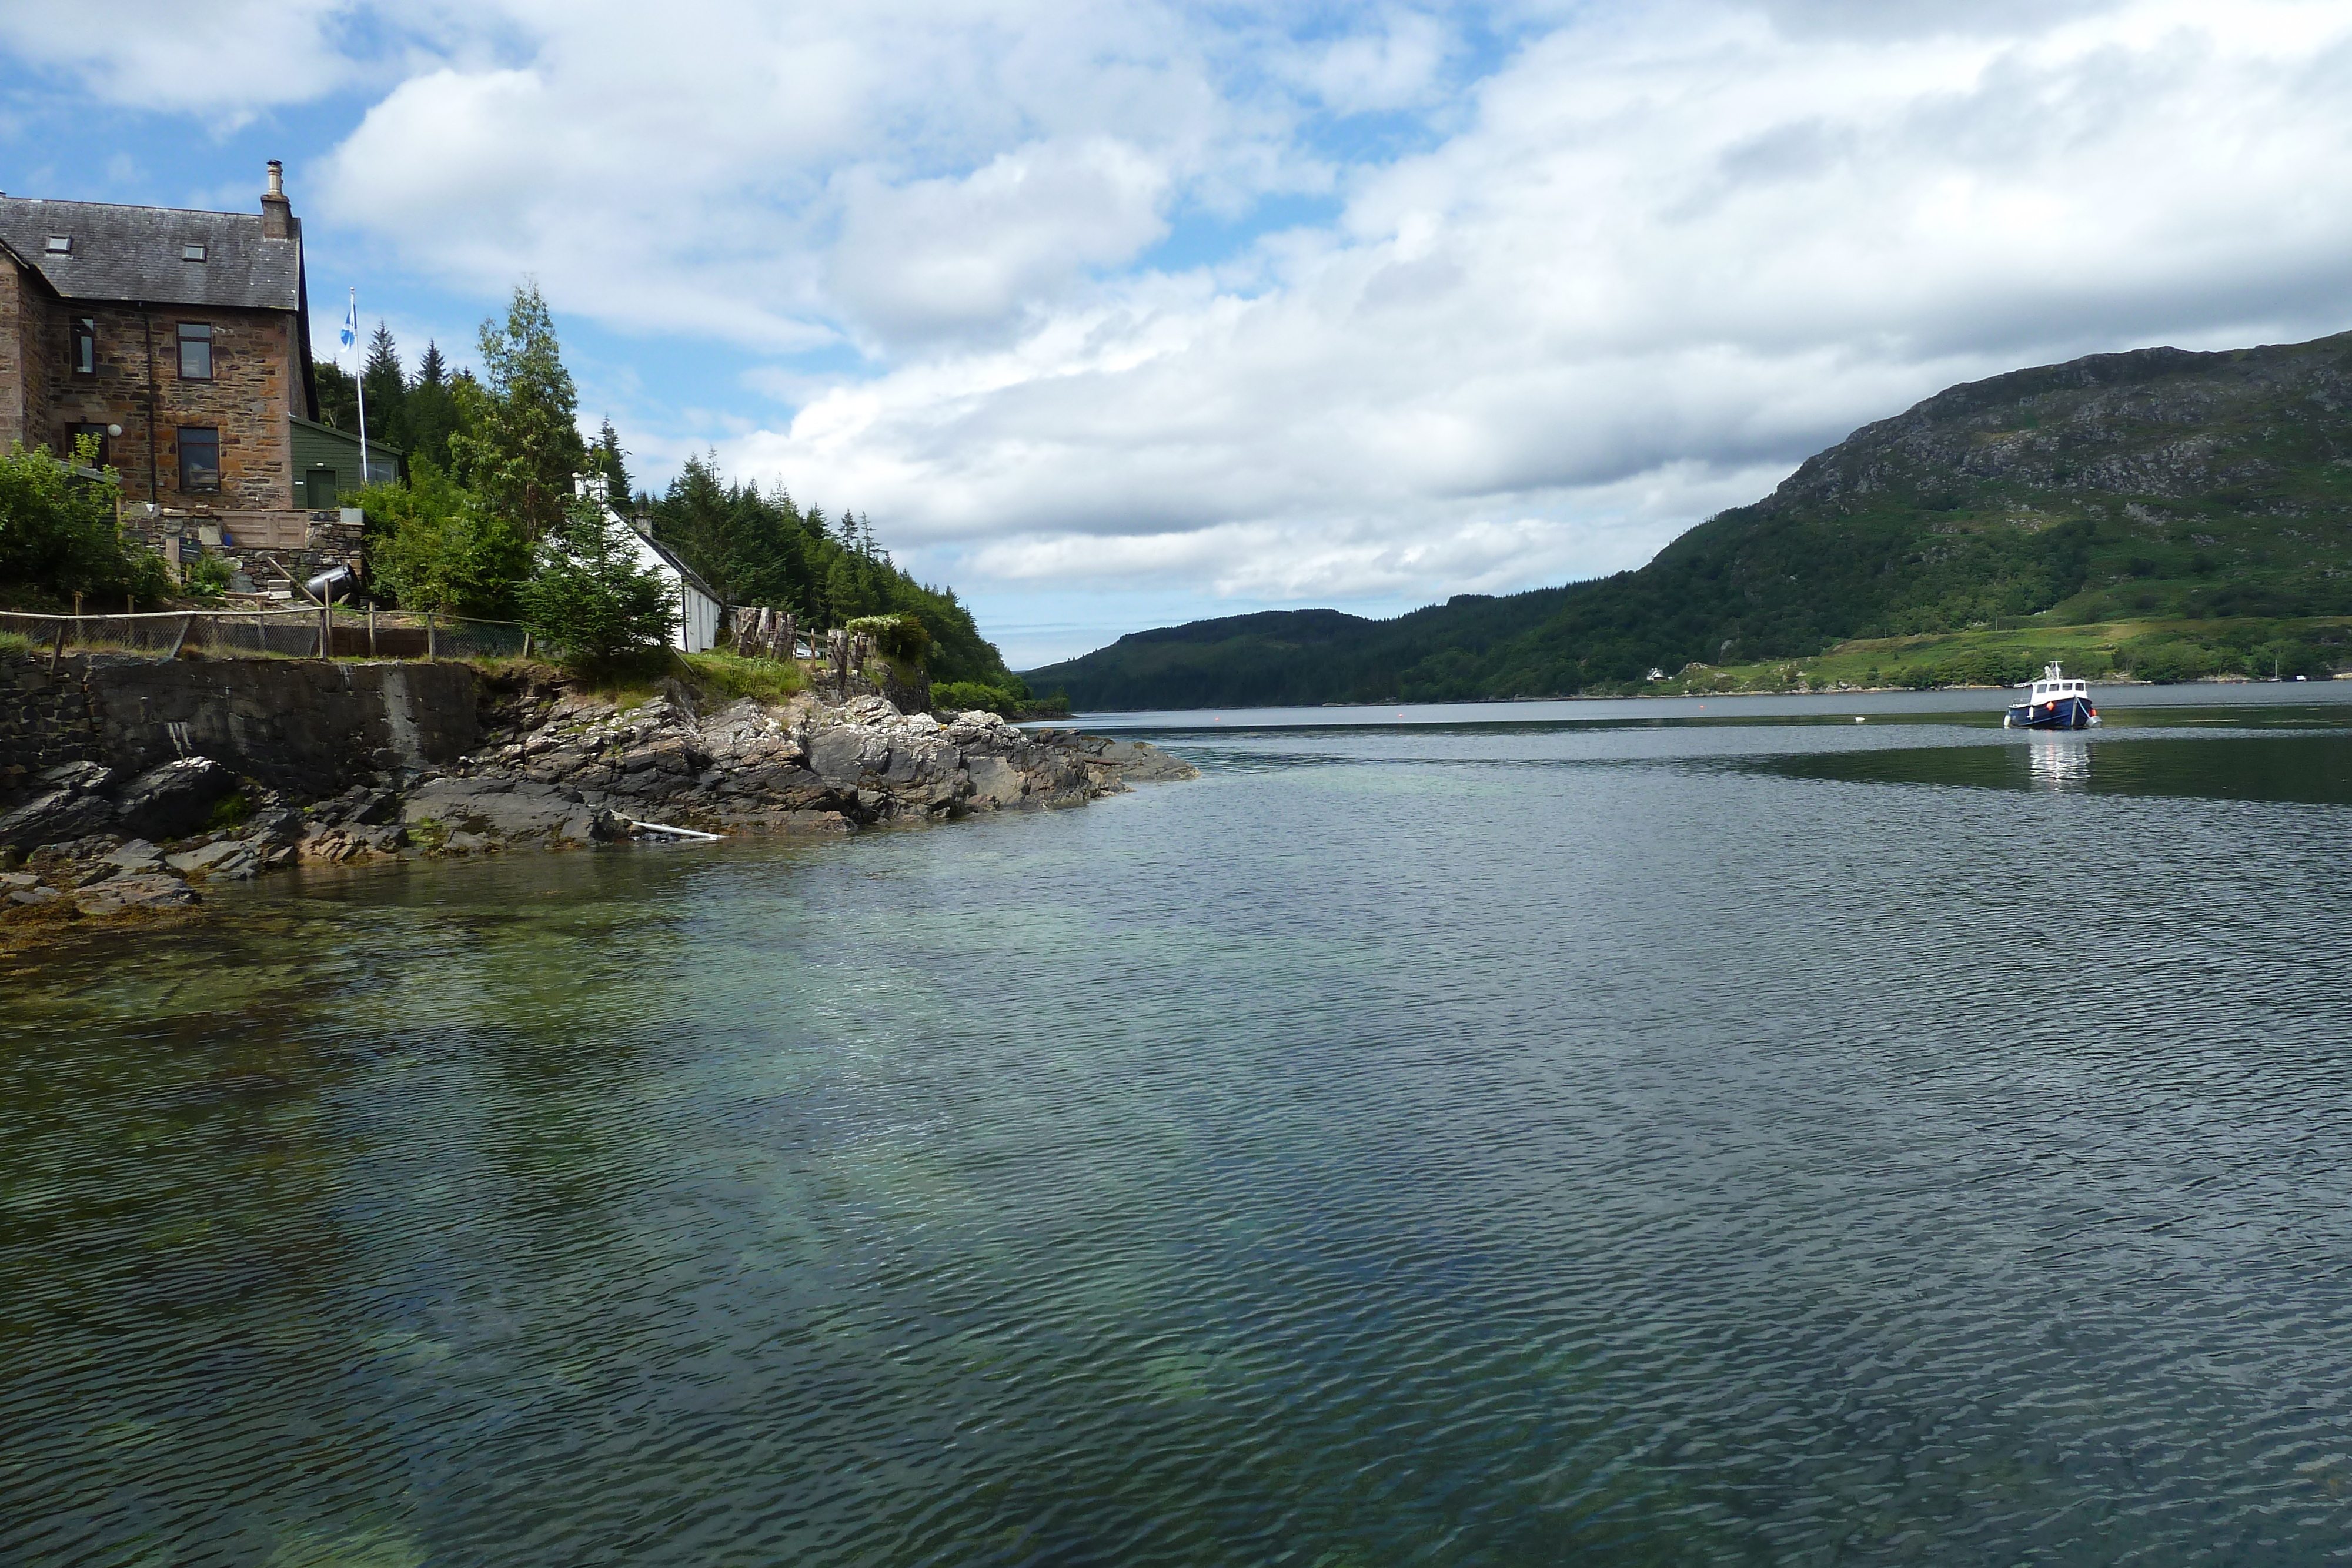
<point>1124,314</point>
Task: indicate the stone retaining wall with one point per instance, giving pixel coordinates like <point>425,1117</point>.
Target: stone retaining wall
<point>308,726</point>
<point>44,720</point>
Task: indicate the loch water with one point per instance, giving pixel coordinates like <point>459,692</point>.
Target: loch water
<point>1501,1136</point>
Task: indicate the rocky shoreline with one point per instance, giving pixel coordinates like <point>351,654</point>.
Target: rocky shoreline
<point>554,767</point>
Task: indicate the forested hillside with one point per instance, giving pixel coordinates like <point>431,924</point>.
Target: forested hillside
<point>2158,484</point>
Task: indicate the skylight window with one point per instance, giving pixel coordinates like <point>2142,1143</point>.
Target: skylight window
<point>191,252</point>
<point>60,244</point>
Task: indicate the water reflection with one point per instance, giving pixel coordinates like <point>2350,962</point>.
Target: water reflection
<point>2058,764</point>
<point>2313,769</point>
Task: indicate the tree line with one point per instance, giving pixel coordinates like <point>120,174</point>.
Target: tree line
<point>488,511</point>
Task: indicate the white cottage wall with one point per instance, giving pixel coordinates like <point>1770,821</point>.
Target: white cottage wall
<point>698,613</point>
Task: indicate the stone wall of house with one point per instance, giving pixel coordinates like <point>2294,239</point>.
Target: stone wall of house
<point>310,727</point>
<point>246,400</point>
<point>14,329</point>
<point>27,374</point>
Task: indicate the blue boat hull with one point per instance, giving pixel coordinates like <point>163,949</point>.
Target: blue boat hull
<point>2064,713</point>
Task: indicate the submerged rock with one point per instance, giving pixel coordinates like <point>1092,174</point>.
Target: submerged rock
<point>138,891</point>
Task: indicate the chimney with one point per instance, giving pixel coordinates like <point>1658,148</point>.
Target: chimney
<point>277,211</point>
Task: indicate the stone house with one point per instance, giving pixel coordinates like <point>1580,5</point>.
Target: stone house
<point>180,339</point>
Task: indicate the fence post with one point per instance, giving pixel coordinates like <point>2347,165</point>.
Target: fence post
<point>428,635</point>
<point>174,651</point>
<point>326,633</point>
<point>57,649</point>
<point>370,628</point>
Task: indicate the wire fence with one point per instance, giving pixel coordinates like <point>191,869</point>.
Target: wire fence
<point>308,632</point>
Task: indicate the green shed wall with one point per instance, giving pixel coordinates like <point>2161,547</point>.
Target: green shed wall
<point>323,446</point>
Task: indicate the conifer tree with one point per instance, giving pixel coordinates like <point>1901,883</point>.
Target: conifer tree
<point>386,386</point>
<point>606,458</point>
<point>339,395</point>
<point>432,408</point>
<point>591,597</point>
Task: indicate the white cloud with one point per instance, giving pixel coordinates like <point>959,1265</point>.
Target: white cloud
<point>932,257</point>
<point>1639,259</point>
<point>223,59</point>
<point>1663,251</point>
<point>1395,64</point>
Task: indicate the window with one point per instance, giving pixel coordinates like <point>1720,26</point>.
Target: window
<point>191,252</point>
<point>199,457</point>
<point>74,434</point>
<point>196,352</point>
<point>85,345</point>
<point>61,244</point>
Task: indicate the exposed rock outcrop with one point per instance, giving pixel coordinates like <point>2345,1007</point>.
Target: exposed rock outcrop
<point>804,765</point>
<point>559,768</point>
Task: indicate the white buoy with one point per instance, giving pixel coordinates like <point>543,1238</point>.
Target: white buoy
<point>1857,718</point>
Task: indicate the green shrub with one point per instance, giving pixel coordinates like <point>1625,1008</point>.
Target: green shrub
<point>898,637</point>
<point>206,577</point>
<point>2167,661</point>
<point>14,643</point>
<point>437,547</point>
<point>959,697</point>
<point>57,531</point>
<point>732,675</point>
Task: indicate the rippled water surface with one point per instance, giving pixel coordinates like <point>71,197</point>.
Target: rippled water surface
<point>1732,1138</point>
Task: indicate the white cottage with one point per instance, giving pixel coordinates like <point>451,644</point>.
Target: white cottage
<point>700,609</point>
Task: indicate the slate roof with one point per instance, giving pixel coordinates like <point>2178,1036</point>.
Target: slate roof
<point>132,254</point>
<point>667,557</point>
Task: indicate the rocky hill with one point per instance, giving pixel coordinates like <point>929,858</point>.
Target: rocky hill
<point>2156,485</point>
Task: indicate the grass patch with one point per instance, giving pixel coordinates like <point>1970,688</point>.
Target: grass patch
<point>731,675</point>
<point>428,833</point>
<point>14,643</point>
<point>629,679</point>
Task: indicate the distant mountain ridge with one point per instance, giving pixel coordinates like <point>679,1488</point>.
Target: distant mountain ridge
<point>2156,482</point>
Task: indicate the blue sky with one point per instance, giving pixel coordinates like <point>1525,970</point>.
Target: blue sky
<point>1119,315</point>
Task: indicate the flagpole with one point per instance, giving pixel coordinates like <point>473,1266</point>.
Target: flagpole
<point>359,379</point>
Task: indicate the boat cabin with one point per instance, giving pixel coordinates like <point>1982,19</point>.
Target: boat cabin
<point>2054,688</point>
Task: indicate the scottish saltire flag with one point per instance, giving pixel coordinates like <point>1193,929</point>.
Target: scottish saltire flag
<point>351,321</point>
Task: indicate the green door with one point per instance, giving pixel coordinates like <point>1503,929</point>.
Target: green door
<point>321,485</point>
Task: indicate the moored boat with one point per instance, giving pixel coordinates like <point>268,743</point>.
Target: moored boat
<point>2054,703</point>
